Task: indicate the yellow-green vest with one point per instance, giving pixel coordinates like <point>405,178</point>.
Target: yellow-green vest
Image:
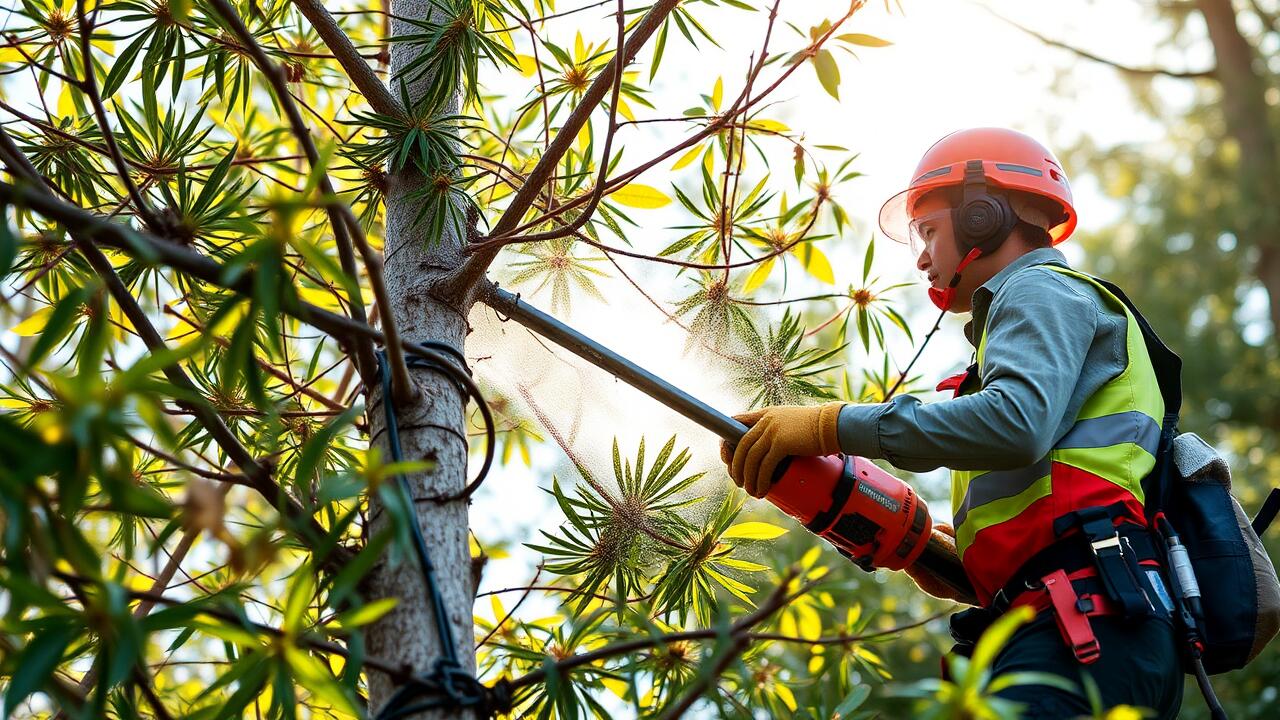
<point>1002,518</point>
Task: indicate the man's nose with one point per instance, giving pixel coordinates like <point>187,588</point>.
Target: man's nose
<point>924,262</point>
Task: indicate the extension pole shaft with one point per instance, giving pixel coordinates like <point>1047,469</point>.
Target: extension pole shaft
<point>936,558</point>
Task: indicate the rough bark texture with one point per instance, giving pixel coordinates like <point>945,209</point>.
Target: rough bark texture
<point>1247,116</point>
<point>431,428</point>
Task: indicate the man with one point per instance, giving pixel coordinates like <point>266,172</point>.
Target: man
<point>1048,435</point>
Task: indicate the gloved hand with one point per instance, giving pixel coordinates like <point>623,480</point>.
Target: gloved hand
<point>943,534</point>
<point>775,433</point>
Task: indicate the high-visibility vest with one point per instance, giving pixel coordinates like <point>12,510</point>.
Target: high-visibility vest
<point>1004,517</point>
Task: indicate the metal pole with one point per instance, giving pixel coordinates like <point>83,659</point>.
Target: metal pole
<point>937,558</point>
<point>604,358</point>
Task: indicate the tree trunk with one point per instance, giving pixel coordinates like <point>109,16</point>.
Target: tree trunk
<point>432,428</point>
<point>1248,122</point>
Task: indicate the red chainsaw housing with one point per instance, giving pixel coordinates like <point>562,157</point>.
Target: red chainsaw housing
<point>870,516</point>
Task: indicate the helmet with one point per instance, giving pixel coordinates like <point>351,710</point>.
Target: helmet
<point>1010,161</point>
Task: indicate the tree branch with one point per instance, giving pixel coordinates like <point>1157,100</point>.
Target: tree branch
<point>340,222</point>
<point>363,76</point>
<point>459,284</point>
<point>1092,57</point>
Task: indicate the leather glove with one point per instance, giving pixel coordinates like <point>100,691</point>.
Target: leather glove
<point>943,534</point>
<point>777,432</point>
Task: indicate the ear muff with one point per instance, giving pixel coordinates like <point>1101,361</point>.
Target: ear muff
<point>983,221</point>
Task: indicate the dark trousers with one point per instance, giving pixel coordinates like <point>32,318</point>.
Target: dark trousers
<point>1139,666</point>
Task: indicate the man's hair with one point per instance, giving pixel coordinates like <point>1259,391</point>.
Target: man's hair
<point>1035,216</point>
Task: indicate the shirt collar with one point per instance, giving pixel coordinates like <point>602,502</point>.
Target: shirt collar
<point>983,295</point>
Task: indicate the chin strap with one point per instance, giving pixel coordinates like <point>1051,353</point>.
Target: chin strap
<point>943,298</point>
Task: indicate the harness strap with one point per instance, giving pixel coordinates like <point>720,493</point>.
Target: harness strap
<point>1070,554</point>
<point>1117,568</point>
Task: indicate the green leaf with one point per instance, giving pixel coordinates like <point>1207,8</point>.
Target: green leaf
<point>828,74</point>
<point>122,64</point>
<point>851,702</point>
<point>301,592</point>
<point>997,636</point>
<point>366,614</point>
<point>8,243</point>
<point>36,664</point>
<point>866,259</point>
<point>60,322</point>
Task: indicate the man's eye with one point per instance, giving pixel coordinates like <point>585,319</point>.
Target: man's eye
<point>926,232</point>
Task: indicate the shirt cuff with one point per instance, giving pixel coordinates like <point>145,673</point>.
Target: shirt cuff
<point>858,429</point>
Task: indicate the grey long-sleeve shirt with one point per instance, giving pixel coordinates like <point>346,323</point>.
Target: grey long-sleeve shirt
<point>1052,342</point>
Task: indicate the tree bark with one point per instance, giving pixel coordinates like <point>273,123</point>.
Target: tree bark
<point>1247,116</point>
<point>431,428</point>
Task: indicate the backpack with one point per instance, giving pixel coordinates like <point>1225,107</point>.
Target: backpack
<point>1190,486</point>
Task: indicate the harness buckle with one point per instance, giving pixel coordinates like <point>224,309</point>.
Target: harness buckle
<point>1106,544</point>
<point>1073,621</point>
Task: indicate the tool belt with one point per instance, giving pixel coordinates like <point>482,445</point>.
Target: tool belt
<point>1096,568</point>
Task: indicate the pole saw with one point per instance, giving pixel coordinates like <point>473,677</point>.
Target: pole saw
<point>868,515</point>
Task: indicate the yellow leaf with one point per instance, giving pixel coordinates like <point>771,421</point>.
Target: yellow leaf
<point>717,94</point>
<point>758,276</point>
<point>809,622</point>
<point>787,626</point>
<point>855,614</point>
<point>34,324</point>
<point>625,110</point>
<point>753,530</point>
<point>11,55</point>
<point>768,125</point>
<point>67,106</point>
<point>640,196</point>
<point>815,664</point>
<point>784,694</point>
<point>810,557</point>
<point>528,65</point>
<point>318,296</point>
<point>815,262</point>
<point>13,403</point>
<point>584,137</point>
<point>1124,712</point>
<point>495,604</point>
<point>742,565</point>
<point>687,158</point>
<point>229,321</point>
<point>864,40</point>
<point>579,49</point>
<point>867,655</point>
<point>709,160</point>
<point>618,687</point>
<point>828,74</point>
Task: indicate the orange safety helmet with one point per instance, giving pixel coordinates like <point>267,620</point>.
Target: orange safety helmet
<point>1010,161</point>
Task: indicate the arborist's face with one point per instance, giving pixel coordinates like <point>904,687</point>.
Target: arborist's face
<point>933,240</point>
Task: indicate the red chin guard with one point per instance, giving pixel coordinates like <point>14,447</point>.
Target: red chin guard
<point>943,298</point>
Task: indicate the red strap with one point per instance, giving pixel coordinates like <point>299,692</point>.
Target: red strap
<point>953,383</point>
<point>1073,622</point>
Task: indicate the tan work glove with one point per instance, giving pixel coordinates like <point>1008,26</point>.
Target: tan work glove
<point>777,432</point>
<point>943,534</point>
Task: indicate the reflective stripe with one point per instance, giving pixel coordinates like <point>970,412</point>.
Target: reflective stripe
<point>999,484</point>
<point>1133,426</point>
